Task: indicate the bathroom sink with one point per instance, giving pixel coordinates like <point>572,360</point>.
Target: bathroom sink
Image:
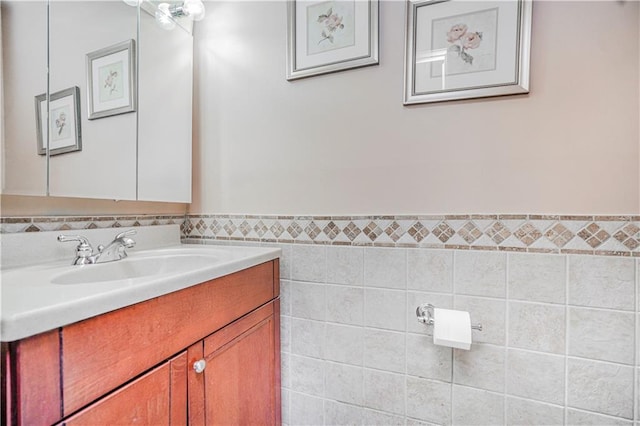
<point>38,298</point>
<point>132,268</point>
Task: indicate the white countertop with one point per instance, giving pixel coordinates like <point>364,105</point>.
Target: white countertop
<point>32,304</point>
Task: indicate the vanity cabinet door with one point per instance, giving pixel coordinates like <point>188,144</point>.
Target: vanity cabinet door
<point>157,398</point>
<point>241,381</point>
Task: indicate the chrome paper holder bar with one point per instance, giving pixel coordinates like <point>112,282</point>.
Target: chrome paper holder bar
<point>424,313</point>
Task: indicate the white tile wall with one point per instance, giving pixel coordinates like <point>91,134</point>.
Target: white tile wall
<point>559,344</point>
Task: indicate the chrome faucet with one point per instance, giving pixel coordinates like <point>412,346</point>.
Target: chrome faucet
<point>115,250</point>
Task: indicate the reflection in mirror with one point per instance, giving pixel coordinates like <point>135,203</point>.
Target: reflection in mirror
<point>106,165</point>
<point>129,79</point>
<point>164,128</point>
<point>24,77</point>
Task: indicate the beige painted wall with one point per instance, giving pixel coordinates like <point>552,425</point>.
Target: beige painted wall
<point>344,144</point>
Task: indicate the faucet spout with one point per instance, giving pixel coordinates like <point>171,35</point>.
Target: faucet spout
<point>116,249</point>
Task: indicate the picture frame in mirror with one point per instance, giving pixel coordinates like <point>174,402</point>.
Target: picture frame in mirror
<point>64,132</point>
<point>111,80</point>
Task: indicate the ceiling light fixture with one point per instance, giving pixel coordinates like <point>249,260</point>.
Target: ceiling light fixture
<point>166,13</point>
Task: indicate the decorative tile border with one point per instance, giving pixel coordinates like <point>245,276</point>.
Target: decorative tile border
<point>9,225</point>
<point>595,235</point>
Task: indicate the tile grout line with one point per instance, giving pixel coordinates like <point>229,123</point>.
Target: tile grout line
<point>364,326</point>
<point>566,339</point>
<point>636,386</point>
<point>454,263</point>
<point>406,333</point>
<point>506,337</point>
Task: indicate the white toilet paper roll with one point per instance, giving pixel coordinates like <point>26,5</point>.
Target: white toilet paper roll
<point>452,328</point>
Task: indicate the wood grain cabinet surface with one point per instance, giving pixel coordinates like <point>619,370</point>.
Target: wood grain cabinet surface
<point>135,365</point>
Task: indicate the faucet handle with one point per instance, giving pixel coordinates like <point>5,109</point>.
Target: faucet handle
<point>126,234</point>
<point>80,238</point>
<point>83,250</point>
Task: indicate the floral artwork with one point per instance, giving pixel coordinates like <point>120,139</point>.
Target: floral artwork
<point>461,41</point>
<point>469,41</point>
<point>60,127</point>
<point>111,82</point>
<point>330,26</point>
<point>331,22</point>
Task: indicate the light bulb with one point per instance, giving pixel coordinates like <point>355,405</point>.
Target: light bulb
<point>194,9</point>
<point>163,17</point>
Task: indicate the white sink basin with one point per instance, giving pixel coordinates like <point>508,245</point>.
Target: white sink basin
<point>132,268</point>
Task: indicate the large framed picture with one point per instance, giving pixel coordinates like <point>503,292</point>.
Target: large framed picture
<point>111,82</point>
<point>64,132</point>
<point>329,36</point>
<point>466,49</point>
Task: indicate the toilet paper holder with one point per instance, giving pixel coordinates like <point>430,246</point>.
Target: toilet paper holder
<point>424,313</point>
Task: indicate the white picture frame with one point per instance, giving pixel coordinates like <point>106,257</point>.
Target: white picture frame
<point>330,35</point>
<point>111,80</point>
<point>63,114</point>
<point>462,50</point>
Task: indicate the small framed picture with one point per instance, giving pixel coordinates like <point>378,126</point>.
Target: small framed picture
<point>111,81</point>
<point>64,132</point>
<point>329,36</point>
<point>466,49</point>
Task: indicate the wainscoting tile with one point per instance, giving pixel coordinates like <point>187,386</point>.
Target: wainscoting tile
<point>531,413</point>
<point>344,344</point>
<point>481,367</point>
<point>429,400</point>
<point>537,327</point>
<point>376,418</point>
<point>601,387</point>
<point>308,300</point>
<point>536,376</point>
<point>339,414</point>
<point>345,265</point>
<point>344,383</point>
<point>308,263</point>
<point>307,375</point>
<point>307,338</point>
<point>537,277</point>
<point>477,407</point>
<point>602,282</point>
<point>430,270</point>
<point>601,334</point>
<point>385,309</point>
<point>576,417</point>
<point>426,360</point>
<point>285,333</point>
<point>306,410</point>
<point>480,273</point>
<point>384,350</point>
<point>385,267</point>
<point>345,305</point>
<point>384,391</point>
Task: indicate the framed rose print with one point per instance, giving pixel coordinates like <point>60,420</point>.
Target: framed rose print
<point>64,131</point>
<point>111,80</point>
<point>329,36</point>
<point>462,50</point>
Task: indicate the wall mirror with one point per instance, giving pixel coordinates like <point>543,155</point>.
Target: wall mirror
<point>131,82</point>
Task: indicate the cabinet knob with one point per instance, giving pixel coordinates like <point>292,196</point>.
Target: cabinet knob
<point>199,366</point>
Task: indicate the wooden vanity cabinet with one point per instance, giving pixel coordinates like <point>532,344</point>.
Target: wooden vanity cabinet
<point>135,365</point>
